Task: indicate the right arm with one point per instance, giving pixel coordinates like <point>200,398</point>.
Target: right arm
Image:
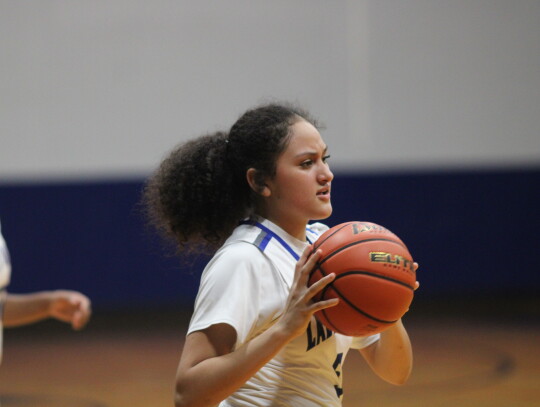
<point>68,306</point>
<point>210,370</point>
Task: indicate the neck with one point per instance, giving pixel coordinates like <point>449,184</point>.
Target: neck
<point>295,229</point>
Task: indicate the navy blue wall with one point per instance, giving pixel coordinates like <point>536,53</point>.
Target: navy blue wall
<point>473,233</point>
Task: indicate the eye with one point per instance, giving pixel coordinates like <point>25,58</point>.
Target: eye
<point>325,158</point>
<point>306,163</point>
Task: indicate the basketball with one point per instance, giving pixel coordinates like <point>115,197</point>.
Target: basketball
<point>374,282</point>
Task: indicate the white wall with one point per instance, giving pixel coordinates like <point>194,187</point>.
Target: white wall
<point>455,82</point>
<point>101,89</point>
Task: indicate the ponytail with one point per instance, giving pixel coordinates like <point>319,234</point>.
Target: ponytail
<point>195,195</point>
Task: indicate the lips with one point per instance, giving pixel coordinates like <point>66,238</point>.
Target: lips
<point>324,191</point>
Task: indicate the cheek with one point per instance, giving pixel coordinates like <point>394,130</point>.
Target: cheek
<point>298,192</point>
<point>294,187</point>
<point>297,198</point>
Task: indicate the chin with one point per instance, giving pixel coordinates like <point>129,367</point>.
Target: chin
<point>323,215</point>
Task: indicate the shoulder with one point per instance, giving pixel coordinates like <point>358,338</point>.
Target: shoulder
<point>236,260</point>
<point>239,252</point>
<point>318,227</point>
<point>315,230</point>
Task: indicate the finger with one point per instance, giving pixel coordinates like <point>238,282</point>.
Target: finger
<point>79,321</point>
<point>84,304</point>
<point>305,255</point>
<point>81,312</point>
<point>320,305</point>
<point>80,318</point>
<point>313,258</point>
<point>312,261</point>
<point>308,267</point>
<point>302,261</point>
<point>319,285</point>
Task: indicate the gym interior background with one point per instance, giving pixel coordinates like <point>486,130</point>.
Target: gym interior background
<point>431,110</point>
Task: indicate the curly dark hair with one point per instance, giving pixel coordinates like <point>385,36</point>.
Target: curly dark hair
<point>200,192</point>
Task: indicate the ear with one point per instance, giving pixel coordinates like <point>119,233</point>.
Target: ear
<point>256,182</point>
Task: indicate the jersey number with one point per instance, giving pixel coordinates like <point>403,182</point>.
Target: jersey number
<point>337,369</point>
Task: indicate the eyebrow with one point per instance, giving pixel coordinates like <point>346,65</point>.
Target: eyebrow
<point>312,152</point>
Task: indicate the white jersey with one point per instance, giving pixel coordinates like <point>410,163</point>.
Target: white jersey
<point>246,285</point>
<point>5,274</point>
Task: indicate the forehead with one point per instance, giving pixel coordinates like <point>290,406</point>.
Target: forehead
<point>304,137</point>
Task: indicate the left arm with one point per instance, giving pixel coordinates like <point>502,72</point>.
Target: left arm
<point>65,305</point>
<point>391,357</point>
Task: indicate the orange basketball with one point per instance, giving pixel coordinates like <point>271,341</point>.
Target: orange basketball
<point>374,281</point>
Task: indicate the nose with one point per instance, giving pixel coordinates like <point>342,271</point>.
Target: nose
<point>325,176</point>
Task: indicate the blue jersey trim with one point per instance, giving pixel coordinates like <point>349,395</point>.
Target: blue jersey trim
<point>269,235</point>
<point>264,242</point>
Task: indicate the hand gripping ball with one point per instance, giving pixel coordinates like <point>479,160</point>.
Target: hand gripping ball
<point>375,278</point>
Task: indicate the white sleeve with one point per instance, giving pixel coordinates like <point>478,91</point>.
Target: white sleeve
<point>316,229</point>
<point>229,290</point>
<point>364,341</point>
<point>5,264</point>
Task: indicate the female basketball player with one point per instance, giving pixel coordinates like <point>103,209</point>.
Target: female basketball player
<point>252,339</point>
<point>22,309</point>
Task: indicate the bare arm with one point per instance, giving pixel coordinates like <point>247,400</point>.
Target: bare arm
<point>65,305</point>
<point>210,370</point>
<point>391,357</point>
